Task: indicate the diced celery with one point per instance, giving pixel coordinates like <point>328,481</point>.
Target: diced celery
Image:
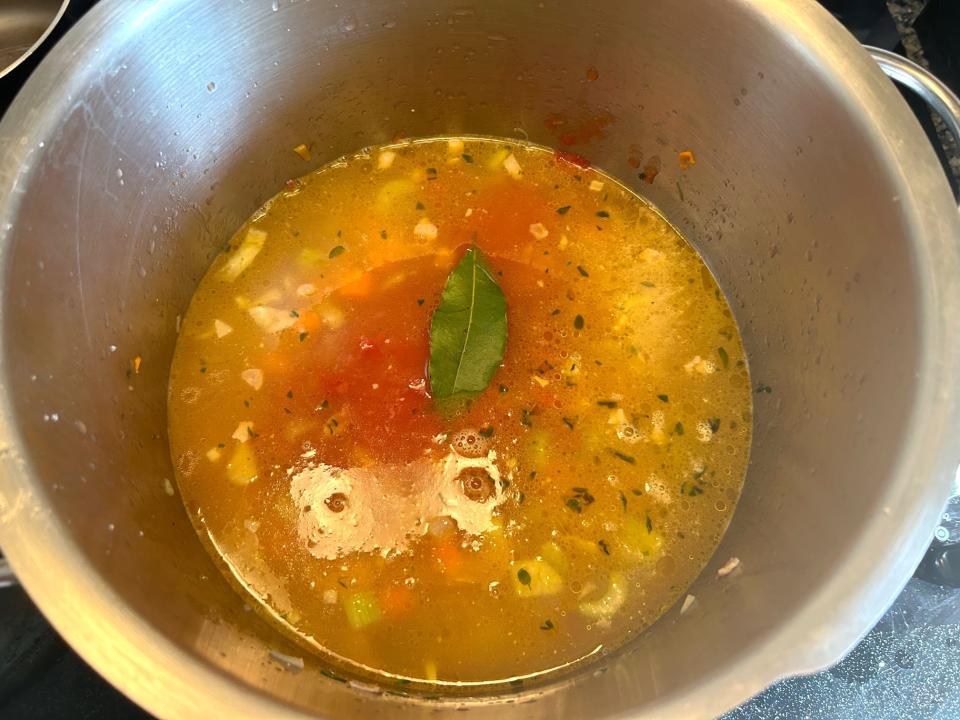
<point>536,578</point>
<point>535,450</point>
<point>361,609</point>
<point>242,468</point>
<point>607,605</point>
<point>395,191</point>
<point>640,540</point>
<point>242,257</point>
<point>552,553</point>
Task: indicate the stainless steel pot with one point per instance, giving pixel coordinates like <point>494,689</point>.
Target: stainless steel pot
<point>154,129</point>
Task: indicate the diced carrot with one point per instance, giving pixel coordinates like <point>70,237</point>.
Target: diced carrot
<point>397,600</point>
<point>309,321</point>
<point>359,286</point>
<point>449,556</point>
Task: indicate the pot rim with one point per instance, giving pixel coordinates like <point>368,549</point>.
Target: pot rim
<point>171,682</point>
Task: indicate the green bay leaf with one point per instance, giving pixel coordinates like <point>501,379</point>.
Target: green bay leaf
<point>468,331</point>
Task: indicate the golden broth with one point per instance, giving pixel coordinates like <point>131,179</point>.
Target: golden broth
<point>560,513</point>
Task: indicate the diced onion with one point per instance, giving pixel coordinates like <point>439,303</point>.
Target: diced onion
<point>539,231</point>
<point>455,146</point>
<point>242,433</point>
<point>273,320</point>
<point>253,377</point>
<point>221,328</point>
<point>596,185</point>
<point>425,230</point>
<point>385,159</point>
<point>610,603</point>
<point>512,167</point>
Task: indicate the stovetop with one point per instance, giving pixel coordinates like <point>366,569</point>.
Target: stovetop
<point>907,668</point>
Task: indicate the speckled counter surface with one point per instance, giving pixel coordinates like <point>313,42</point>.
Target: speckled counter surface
<point>904,13</point>
<point>907,668</point>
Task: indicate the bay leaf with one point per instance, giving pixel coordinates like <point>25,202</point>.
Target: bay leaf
<point>468,331</point>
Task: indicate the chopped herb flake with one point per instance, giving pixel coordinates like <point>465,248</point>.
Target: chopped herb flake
<point>724,358</point>
<point>338,250</point>
<point>678,428</point>
<point>578,322</point>
<point>486,432</point>
<point>547,625</point>
<point>303,336</point>
<point>629,459</point>
<point>574,504</point>
<point>649,524</point>
<point>290,394</point>
<point>647,283</point>
<point>607,403</point>
<point>761,388</point>
<point>420,206</point>
<point>523,576</point>
<point>664,398</point>
<point>467,158</point>
<point>563,210</point>
<point>504,388</point>
<point>583,271</point>
<point>602,214</point>
<point>294,313</point>
<point>623,499</point>
<point>383,234</point>
<point>603,546</point>
<point>569,422</point>
<point>714,424</point>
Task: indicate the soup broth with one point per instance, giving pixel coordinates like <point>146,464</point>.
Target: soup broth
<point>500,533</point>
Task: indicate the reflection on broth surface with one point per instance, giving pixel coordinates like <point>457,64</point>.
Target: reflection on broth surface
<point>335,465</point>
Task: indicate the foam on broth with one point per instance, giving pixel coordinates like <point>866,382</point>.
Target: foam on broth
<point>559,514</point>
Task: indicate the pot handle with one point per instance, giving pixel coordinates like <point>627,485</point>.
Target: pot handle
<point>928,86</point>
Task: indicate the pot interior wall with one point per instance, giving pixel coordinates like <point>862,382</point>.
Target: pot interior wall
<point>186,124</point>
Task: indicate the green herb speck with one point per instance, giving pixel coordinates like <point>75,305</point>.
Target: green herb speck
<point>569,423</point>
<point>714,424</point>
<point>664,398</point>
<point>629,459</point>
<point>648,284</point>
<point>504,388</point>
<point>649,524</point>
<point>467,158</point>
<point>338,250</point>
<point>583,271</point>
<point>724,358</point>
<point>574,504</point>
<point>578,322</point>
<point>607,403</point>
<point>303,336</point>
<point>383,234</point>
<point>761,388</point>
<point>602,214</point>
<point>678,428</point>
<point>420,301</point>
<point>603,546</point>
<point>523,576</point>
<point>294,313</point>
<point>547,625</point>
<point>563,210</point>
<point>420,206</point>
<point>290,394</point>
